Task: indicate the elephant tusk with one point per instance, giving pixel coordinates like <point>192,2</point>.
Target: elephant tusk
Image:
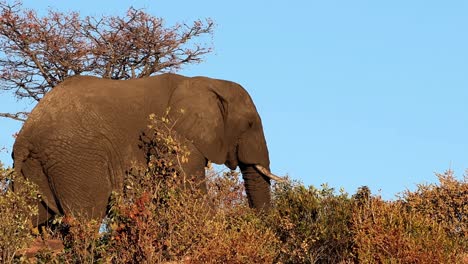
<point>267,173</point>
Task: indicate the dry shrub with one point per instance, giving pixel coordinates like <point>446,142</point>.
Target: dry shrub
<point>446,203</point>
<point>319,226</point>
<point>162,215</point>
<point>391,232</point>
<point>82,240</point>
<point>152,219</point>
<point>239,237</point>
<point>225,190</point>
<point>189,227</point>
<point>235,233</point>
<point>311,223</point>
<point>16,210</point>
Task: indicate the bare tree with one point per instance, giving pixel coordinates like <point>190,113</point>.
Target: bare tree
<point>37,53</point>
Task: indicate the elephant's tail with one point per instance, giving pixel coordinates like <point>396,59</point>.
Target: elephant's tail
<point>31,168</point>
<point>19,154</point>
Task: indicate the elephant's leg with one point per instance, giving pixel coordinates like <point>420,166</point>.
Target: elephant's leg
<point>257,187</point>
<point>33,170</point>
<point>194,168</point>
<point>44,214</point>
<point>82,185</point>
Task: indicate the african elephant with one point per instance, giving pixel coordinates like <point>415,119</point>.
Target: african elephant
<point>83,135</point>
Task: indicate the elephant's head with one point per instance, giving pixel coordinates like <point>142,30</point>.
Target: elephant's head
<point>222,121</point>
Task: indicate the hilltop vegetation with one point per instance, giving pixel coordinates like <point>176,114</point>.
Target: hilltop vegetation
<point>158,218</point>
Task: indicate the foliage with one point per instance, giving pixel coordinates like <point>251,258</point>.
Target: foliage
<point>390,232</point>
<point>446,203</point>
<point>162,216</point>
<point>319,226</point>
<point>16,208</point>
<point>83,243</point>
<point>311,223</point>
<point>38,52</point>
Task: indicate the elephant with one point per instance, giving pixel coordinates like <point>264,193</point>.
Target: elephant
<point>82,137</point>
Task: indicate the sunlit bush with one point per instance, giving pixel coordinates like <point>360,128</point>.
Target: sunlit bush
<point>161,216</point>
<point>389,232</point>
<point>446,203</point>
<point>16,210</point>
<point>312,224</point>
<point>320,226</point>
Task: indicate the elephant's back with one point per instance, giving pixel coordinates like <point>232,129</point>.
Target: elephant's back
<point>81,97</point>
<point>95,112</point>
<point>53,128</point>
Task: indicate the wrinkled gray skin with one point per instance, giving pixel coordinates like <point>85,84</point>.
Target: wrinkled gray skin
<point>83,135</point>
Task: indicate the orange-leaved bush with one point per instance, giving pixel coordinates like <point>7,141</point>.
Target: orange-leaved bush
<point>163,216</point>
<point>389,232</point>
<point>446,203</point>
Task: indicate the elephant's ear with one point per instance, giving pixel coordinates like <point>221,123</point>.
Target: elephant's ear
<point>199,111</point>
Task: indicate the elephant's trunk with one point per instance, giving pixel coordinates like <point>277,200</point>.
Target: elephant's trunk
<point>257,187</point>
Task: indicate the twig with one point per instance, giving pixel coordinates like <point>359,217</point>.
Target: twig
<point>20,116</point>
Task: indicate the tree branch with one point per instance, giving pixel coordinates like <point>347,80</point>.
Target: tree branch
<point>20,116</point>
<point>37,53</point>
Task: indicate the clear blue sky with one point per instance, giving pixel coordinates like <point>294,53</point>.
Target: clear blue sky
<point>350,92</point>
